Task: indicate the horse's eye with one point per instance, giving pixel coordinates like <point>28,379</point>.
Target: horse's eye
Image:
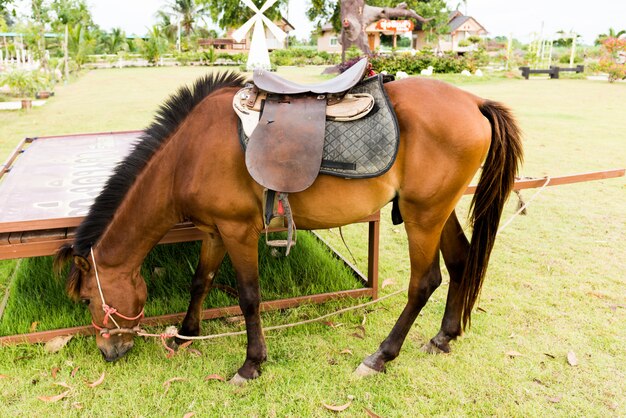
<point>85,301</point>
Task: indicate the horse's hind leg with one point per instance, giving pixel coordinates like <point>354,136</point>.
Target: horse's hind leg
<point>211,256</point>
<point>425,278</point>
<point>455,248</point>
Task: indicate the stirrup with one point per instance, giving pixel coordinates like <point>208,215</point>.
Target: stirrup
<point>283,211</point>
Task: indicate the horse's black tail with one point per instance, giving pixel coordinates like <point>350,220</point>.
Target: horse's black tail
<point>495,184</point>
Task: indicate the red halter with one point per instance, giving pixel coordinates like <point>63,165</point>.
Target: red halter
<point>109,312</point>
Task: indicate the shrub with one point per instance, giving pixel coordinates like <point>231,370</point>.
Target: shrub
<point>414,64</point>
<point>303,56</point>
<point>24,83</point>
<point>611,61</point>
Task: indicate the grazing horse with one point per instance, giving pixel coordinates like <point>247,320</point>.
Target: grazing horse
<point>189,166</point>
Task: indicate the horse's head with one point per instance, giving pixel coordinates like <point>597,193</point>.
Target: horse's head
<point>115,298</point>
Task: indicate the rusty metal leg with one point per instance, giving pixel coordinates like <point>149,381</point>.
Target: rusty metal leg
<point>373,245</point>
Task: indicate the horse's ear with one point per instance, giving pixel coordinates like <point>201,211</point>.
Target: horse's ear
<point>82,263</point>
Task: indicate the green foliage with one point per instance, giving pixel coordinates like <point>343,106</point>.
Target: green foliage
<point>69,12</point>
<point>414,64</point>
<point>24,83</point>
<point>232,13</point>
<point>81,44</point>
<point>303,56</point>
<point>612,33</point>
<point>114,41</point>
<point>474,39</point>
<point>189,12</point>
<point>4,4</point>
<point>155,46</point>
<point>207,57</point>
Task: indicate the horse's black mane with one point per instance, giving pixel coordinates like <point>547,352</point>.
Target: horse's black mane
<point>168,118</point>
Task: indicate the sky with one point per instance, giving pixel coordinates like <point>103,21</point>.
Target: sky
<point>521,18</point>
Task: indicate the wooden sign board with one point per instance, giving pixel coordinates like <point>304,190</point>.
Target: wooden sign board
<point>397,26</point>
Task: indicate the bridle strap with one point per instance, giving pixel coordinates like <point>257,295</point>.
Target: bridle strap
<point>110,311</point>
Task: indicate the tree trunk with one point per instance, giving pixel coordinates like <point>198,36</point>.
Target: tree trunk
<point>66,60</point>
<point>41,45</point>
<point>356,16</point>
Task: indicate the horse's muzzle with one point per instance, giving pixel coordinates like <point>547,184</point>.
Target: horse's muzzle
<point>115,351</point>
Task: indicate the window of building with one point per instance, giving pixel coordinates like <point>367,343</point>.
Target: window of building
<point>334,41</point>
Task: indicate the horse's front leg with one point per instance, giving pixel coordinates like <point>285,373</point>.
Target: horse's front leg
<point>455,249</point>
<point>211,256</point>
<point>242,246</point>
<point>425,278</point>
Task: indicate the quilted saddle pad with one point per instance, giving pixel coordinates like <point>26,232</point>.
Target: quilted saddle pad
<point>362,148</point>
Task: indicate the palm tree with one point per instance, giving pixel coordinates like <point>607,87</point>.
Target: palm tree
<point>155,46</point>
<point>611,34</point>
<point>115,41</point>
<point>169,28</point>
<point>189,13</point>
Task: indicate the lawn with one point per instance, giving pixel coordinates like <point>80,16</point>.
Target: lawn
<point>555,285</point>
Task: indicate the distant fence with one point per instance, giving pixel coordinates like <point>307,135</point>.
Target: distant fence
<point>553,71</point>
<point>20,59</point>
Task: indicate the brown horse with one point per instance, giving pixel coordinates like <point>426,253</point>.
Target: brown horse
<point>189,165</point>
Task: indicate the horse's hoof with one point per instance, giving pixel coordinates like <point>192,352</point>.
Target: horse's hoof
<point>431,348</point>
<point>364,371</point>
<point>238,380</point>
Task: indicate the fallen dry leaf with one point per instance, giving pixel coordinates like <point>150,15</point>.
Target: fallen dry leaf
<point>65,385</point>
<point>214,377</point>
<point>4,376</point>
<point>363,322</point>
<point>479,309</point>
<point>33,326</point>
<point>234,319</point>
<point>598,295</point>
<point>54,398</point>
<point>195,352</point>
<point>337,408</point>
<point>189,414</point>
<point>97,382</point>
<point>539,382</point>
<point>548,355</point>
<point>74,371</point>
<point>371,414</point>
<point>554,399</point>
<point>54,372</point>
<point>185,344</point>
<point>77,405</point>
<point>169,382</point>
<point>572,359</point>
<point>513,353</point>
<point>388,282</point>
<point>346,351</point>
<point>57,343</point>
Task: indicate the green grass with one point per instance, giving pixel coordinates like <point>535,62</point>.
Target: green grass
<point>168,269</point>
<point>555,284</point>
